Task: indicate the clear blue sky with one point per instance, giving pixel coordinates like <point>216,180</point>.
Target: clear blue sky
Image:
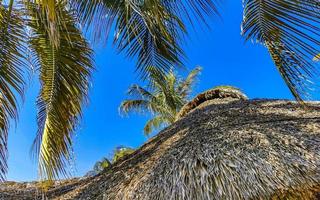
<point>222,53</point>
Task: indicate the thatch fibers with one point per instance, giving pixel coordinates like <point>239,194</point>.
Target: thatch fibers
<point>224,149</point>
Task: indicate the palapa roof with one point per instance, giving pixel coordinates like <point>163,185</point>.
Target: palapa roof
<point>225,149</point>
<point>220,92</point>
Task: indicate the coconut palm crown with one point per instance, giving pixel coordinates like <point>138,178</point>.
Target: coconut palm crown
<point>163,101</point>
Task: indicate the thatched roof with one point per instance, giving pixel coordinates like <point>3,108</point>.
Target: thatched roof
<point>220,92</point>
<point>245,149</point>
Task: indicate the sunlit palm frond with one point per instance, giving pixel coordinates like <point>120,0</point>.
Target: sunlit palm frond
<point>185,86</point>
<point>12,67</point>
<point>163,99</point>
<point>101,165</point>
<point>120,152</point>
<point>291,32</point>
<point>51,18</point>
<point>64,73</point>
<point>136,90</point>
<point>155,123</point>
<point>163,83</point>
<point>317,57</point>
<point>137,105</point>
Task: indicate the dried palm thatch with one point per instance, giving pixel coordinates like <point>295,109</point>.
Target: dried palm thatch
<point>220,92</point>
<point>249,149</point>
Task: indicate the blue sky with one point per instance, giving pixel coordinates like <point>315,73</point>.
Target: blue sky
<point>226,60</point>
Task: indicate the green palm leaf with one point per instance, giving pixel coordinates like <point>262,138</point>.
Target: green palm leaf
<point>120,152</point>
<point>185,86</point>
<point>64,74</point>
<point>291,32</point>
<point>155,123</point>
<point>149,30</point>
<point>136,90</point>
<point>150,33</point>
<point>165,96</point>
<point>50,17</point>
<point>12,65</point>
<point>136,105</point>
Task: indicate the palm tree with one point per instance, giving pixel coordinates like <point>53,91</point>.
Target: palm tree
<point>47,34</point>
<point>121,152</point>
<point>99,166</point>
<point>164,101</point>
<point>105,163</point>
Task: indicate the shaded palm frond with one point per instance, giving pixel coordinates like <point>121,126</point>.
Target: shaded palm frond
<point>97,16</point>
<point>192,10</point>
<point>291,32</point>
<point>146,31</point>
<point>12,67</point>
<point>185,87</point>
<point>150,33</point>
<point>64,73</point>
<point>155,123</point>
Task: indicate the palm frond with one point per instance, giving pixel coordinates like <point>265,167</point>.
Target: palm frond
<point>120,152</point>
<point>64,73</point>
<point>185,87</point>
<point>136,105</point>
<point>12,66</point>
<point>164,99</point>
<point>146,31</point>
<point>193,10</point>
<point>162,83</point>
<point>154,124</point>
<point>150,33</point>
<point>291,32</point>
<point>136,90</point>
<point>101,165</point>
<point>51,17</point>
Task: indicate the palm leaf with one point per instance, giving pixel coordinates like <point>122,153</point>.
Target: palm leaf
<point>146,31</point>
<point>291,32</point>
<point>12,65</point>
<point>193,9</point>
<point>151,34</point>
<point>138,91</point>
<point>101,165</point>
<point>120,152</point>
<point>164,83</point>
<point>136,105</point>
<point>154,124</point>
<point>51,17</point>
<point>64,74</point>
<point>185,87</point>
